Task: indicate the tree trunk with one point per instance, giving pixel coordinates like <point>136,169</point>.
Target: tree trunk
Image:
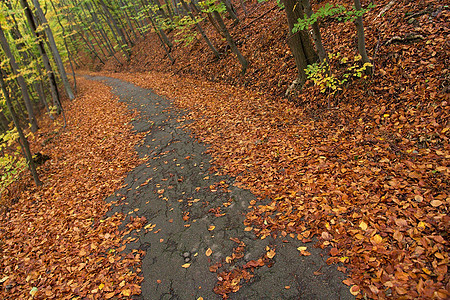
<point>124,8</point>
<point>3,120</point>
<point>161,40</point>
<point>199,28</point>
<point>88,43</point>
<point>110,18</point>
<point>242,60</point>
<point>27,56</point>
<point>231,12</point>
<point>69,54</point>
<point>43,53</point>
<point>361,40</point>
<point>23,139</point>
<point>243,7</point>
<point>59,64</point>
<point>20,80</point>
<point>300,43</point>
<point>316,32</point>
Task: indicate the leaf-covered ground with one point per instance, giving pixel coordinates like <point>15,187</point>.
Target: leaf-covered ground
<point>55,242</point>
<point>368,175</point>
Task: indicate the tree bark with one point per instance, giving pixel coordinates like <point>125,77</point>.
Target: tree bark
<point>43,53</point>
<point>3,120</point>
<point>200,29</point>
<point>20,80</point>
<point>69,54</point>
<point>300,43</point>
<point>361,40</point>
<point>110,18</point>
<point>24,142</point>
<point>231,12</point>
<point>316,32</point>
<point>242,60</point>
<point>162,41</point>
<point>59,64</point>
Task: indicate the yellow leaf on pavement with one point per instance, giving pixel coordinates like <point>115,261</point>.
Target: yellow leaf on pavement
<point>271,253</point>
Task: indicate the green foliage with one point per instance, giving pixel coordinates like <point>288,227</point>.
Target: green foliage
<point>320,73</point>
<point>209,6</point>
<point>13,164</point>
<point>184,29</point>
<point>330,10</point>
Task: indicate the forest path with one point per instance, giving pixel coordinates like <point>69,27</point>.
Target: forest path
<point>193,211</point>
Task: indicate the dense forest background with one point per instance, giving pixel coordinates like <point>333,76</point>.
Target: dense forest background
<point>356,93</point>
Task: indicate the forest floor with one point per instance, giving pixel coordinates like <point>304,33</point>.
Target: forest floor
<point>364,172</point>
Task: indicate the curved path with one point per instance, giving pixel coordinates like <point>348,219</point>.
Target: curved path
<point>193,211</point>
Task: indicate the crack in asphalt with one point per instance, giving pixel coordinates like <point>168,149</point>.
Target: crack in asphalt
<point>178,184</point>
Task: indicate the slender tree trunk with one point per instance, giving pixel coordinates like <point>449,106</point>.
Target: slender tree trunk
<point>316,32</point>
<point>123,42</point>
<point>242,60</point>
<point>175,8</point>
<point>23,140</point>
<point>361,40</point>
<point>162,41</point>
<point>59,63</point>
<point>139,23</point>
<point>231,12</point>
<point>199,28</point>
<point>4,121</point>
<point>20,80</point>
<point>124,7</point>
<point>243,7</point>
<point>169,9</point>
<point>69,54</point>
<point>43,53</point>
<point>90,46</point>
<point>162,34</point>
<point>300,43</point>
<point>27,56</point>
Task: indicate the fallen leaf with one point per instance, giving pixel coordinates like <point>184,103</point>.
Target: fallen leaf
<point>208,252</point>
<point>354,290</point>
<point>271,253</point>
<point>377,239</point>
<point>436,203</point>
<point>186,265</point>
<point>363,225</point>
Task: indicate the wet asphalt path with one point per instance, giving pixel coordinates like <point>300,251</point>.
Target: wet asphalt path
<point>175,183</point>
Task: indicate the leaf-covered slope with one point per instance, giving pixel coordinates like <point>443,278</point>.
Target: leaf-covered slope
<point>54,243</point>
